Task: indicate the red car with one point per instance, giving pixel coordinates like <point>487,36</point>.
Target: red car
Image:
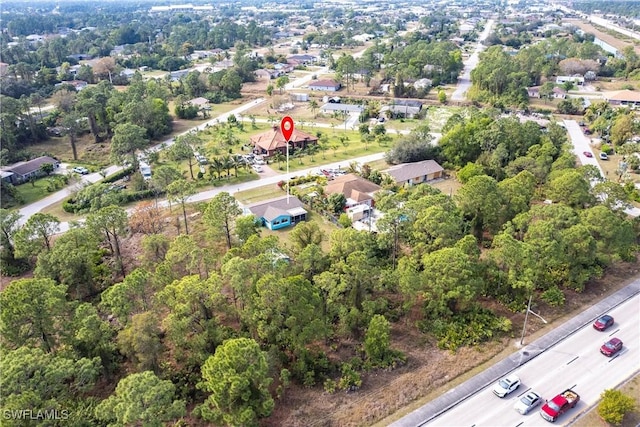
<point>611,347</point>
<point>587,153</point>
<point>603,322</point>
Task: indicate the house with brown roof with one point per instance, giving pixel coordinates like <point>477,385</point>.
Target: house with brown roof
<point>279,213</point>
<point>272,141</point>
<point>23,171</point>
<point>416,173</point>
<point>357,190</point>
<point>328,85</point>
<point>626,98</point>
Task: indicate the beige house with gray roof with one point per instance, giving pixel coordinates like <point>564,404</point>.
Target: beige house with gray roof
<point>416,173</point>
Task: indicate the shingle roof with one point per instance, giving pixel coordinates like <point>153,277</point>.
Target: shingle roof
<point>623,95</point>
<point>406,171</point>
<point>407,102</point>
<point>353,187</point>
<point>273,138</point>
<point>275,207</point>
<point>324,83</point>
<point>25,168</point>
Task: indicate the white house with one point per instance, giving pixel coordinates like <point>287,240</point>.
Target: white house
<point>577,80</point>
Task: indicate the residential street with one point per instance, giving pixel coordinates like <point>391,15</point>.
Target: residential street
<point>581,144</point>
<point>464,81</point>
<point>29,210</point>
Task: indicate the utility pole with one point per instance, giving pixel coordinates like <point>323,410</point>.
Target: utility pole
<point>526,317</point>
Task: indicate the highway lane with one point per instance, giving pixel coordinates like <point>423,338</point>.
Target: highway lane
<point>575,362</point>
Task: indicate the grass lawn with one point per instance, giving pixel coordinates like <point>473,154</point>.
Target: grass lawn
<point>379,165</point>
<point>259,194</point>
<point>448,186</point>
<point>31,192</point>
<point>214,145</point>
<point>64,216</point>
<point>283,234</point>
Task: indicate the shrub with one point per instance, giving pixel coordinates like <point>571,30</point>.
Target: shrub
<point>118,175</point>
<point>330,386</point>
<point>350,380</point>
<point>344,220</point>
<point>553,296</point>
<point>606,148</point>
<point>614,406</point>
<point>468,328</point>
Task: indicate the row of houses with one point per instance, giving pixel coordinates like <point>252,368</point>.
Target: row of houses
<point>359,193</point>
<point>622,98</point>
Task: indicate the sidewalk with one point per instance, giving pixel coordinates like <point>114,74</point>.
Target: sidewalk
<point>467,389</point>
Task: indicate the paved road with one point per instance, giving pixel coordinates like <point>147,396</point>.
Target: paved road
<point>551,374</point>
<point>39,205</point>
<point>611,26</point>
<point>574,363</point>
<point>265,180</point>
<point>464,81</point>
<point>581,144</point>
<point>304,80</point>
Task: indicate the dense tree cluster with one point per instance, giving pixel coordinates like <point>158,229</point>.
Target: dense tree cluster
<point>501,78</point>
<point>186,319</point>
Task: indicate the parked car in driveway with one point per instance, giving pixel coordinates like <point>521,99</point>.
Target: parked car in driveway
<point>611,347</point>
<point>257,168</point>
<point>528,402</point>
<point>604,156</point>
<point>587,154</point>
<point>81,170</point>
<point>603,322</point>
<point>506,385</point>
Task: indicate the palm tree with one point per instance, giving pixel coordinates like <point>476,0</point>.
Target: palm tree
<point>311,150</point>
<point>279,157</point>
<point>322,146</point>
<point>217,166</point>
<point>227,164</point>
<point>313,104</point>
<point>236,165</point>
<point>344,140</point>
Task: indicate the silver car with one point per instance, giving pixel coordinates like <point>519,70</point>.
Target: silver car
<point>506,385</point>
<point>527,402</point>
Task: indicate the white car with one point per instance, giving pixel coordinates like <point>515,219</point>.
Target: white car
<point>528,402</point>
<point>257,168</point>
<point>506,385</point>
<point>81,170</point>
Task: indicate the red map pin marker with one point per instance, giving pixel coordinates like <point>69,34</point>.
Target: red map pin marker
<point>286,127</point>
